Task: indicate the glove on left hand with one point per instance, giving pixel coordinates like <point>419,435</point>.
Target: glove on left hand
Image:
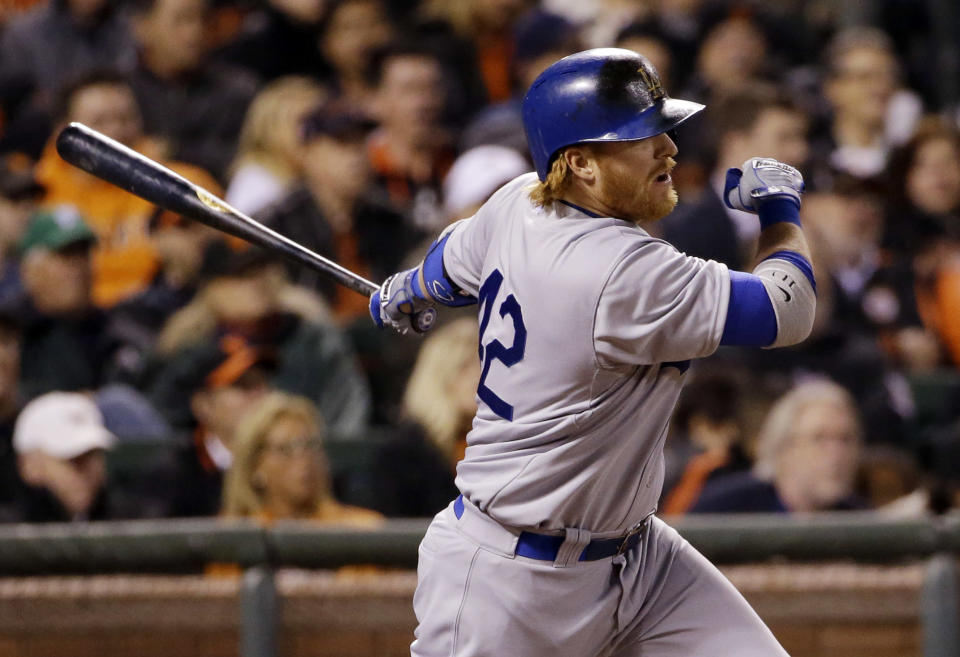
<point>760,180</point>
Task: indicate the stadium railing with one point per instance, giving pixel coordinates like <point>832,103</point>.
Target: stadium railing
<point>189,546</point>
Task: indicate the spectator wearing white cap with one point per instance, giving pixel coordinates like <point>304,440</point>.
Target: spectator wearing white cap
<point>473,178</point>
<point>476,175</point>
<point>61,443</point>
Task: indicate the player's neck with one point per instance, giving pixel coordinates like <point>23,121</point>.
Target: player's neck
<point>583,198</point>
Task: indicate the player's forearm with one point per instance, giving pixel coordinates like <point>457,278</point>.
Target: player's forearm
<point>783,266</point>
<point>781,236</point>
<point>773,306</point>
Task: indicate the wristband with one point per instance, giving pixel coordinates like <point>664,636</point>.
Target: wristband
<point>778,210</point>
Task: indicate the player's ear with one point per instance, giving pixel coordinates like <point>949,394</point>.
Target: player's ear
<point>580,162</point>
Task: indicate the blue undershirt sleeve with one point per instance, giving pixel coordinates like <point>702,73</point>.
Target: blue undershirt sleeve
<point>751,321</point>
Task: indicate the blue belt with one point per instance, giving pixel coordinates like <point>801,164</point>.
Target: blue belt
<point>546,547</point>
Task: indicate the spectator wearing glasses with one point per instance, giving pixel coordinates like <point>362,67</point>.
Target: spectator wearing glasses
<point>808,451</point>
<point>869,111</point>
<point>279,468</point>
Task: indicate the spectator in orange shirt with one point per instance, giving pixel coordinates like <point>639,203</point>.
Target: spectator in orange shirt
<point>124,262</point>
<point>942,308</point>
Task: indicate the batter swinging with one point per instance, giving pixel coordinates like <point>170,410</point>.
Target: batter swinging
<point>587,327</point>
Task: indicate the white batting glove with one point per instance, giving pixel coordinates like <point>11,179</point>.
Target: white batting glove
<point>761,179</point>
<point>398,305</point>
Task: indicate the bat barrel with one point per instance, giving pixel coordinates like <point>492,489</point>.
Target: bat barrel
<point>110,160</point>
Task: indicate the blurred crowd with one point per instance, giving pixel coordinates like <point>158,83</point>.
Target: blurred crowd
<point>151,367</point>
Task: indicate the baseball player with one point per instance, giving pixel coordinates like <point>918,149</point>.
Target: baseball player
<point>587,327</point>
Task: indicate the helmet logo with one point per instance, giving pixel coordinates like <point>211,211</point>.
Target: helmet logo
<point>652,82</point>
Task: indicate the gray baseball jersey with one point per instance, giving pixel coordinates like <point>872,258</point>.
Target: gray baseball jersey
<point>586,327</point>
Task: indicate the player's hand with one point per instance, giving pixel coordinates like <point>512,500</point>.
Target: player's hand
<point>396,304</point>
<point>760,180</point>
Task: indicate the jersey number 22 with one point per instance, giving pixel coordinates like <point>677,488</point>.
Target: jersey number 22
<point>495,350</point>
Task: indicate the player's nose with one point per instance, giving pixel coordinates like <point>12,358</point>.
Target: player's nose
<point>665,147</point>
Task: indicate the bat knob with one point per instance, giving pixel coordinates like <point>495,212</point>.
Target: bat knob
<point>423,320</point>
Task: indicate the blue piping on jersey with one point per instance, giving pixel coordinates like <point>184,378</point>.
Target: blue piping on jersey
<point>751,321</point>
<point>799,262</point>
<point>583,210</point>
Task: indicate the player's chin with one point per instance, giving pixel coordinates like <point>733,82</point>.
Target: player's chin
<point>660,203</point>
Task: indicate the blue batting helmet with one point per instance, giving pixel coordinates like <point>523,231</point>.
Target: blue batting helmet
<point>604,94</point>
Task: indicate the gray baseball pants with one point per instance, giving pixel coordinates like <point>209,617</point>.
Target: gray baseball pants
<point>476,598</point>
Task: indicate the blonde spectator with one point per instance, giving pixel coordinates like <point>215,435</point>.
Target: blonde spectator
<point>267,160</point>
<point>441,394</point>
<point>415,468</point>
<point>808,451</point>
<point>279,469</point>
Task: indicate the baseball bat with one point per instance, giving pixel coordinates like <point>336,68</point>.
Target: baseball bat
<point>110,160</point>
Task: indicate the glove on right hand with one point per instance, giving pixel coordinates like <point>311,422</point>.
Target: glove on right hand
<point>760,180</point>
<point>398,305</point>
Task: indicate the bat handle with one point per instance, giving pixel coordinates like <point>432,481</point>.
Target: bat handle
<point>423,321</point>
